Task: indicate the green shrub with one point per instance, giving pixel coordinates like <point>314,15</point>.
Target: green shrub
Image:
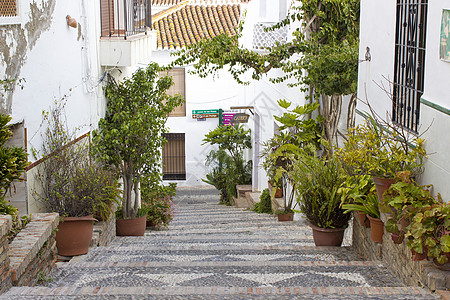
<point>265,203</point>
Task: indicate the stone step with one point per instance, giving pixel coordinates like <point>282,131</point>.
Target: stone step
<point>222,293</point>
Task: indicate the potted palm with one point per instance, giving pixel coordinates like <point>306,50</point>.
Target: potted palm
<point>318,181</point>
<point>130,137</point>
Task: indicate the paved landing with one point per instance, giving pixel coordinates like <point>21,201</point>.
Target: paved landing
<point>212,251</point>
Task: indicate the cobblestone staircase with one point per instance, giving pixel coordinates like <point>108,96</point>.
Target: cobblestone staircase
<point>217,252</point>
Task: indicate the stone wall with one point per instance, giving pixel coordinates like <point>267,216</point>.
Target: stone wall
<point>31,255</point>
<point>397,257</point>
<point>5,275</point>
<point>104,232</point>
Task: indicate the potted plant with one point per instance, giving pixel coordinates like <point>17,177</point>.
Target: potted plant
<point>69,183</point>
<point>158,199</point>
<point>318,181</point>
<point>405,199</point>
<point>429,233</point>
<point>130,137</point>
<point>355,190</point>
<point>297,134</point>
<point>381,150</point>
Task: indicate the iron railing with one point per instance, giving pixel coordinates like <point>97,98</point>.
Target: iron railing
<point>124,18</point>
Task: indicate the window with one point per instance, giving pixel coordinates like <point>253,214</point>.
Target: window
<point>9,12</point>
<point>409,67</point>
<point>178,87</point>
<point>174,158</point>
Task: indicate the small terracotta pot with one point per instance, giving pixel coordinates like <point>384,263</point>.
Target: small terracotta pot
<point>131,227</point>
<point>376,229</point>
<point>285,217</point>
<point>74,235</point>
<point>327,236</point>
<point>444,267</point>
<point>382,185</point>
<point>419,256</point>
<point>363,220</point>
<point>278,193</point>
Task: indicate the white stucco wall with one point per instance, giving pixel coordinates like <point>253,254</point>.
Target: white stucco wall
<point>377,31</point>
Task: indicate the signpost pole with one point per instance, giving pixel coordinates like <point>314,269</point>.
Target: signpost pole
<point>220,116</point>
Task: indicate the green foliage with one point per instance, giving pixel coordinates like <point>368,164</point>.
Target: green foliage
<point>375,150</point>
<point>130,135</point>
<point>430,231</point>
<point>265,203</point>
<point>359,194</point>
<point>13,160</point>
<point>318,181</point>
<point>298,133</point>
<point>7,85</point>
<point>227,165</point>
<point>68,182</point>
<point>368,205</point>
<point>158,199</point>
<point>328,48</point>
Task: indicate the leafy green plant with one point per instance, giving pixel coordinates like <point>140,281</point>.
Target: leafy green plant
<point>429,232</point>
<point>158,199</point>
<point>406,198</point>
<point>381,151</point>
<point>130,135</point>
<point>318,181</point>
<point>297,135</point>
<point>265,203</point>
<point>227,165</point>
<point>367,205</point>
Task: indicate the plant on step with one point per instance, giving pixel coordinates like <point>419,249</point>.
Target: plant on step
<point>429,232</point>
<point>367,205</point>
<point>380,149</point>
<point>227,165</point>
<point>158,199</point>
<point>129,137</point>
<point>297,135</point>
<point>318,181</point>
<point>265,203</point>
<point>406,198</point>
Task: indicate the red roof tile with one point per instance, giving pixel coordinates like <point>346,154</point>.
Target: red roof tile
<point>191,23</point>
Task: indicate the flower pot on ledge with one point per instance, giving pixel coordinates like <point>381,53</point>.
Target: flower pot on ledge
<point>278,193</point>
<point>376,229</point>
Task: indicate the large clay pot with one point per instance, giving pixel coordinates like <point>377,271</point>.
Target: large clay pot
<point>376,229</point>
<point>285,217</point>
<point>382,185</point>
<point>363,220</point>
<point>416,256</point>
<point>74,235</point>
<point>327,236</point>
<point>131,227</point>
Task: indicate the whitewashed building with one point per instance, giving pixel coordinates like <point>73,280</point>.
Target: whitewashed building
<point>405,48</point>
<point>183,22</point>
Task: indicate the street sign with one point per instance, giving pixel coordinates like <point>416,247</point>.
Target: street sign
<point>205,113</point>
<point>203,116</point>
<point>240,118</point>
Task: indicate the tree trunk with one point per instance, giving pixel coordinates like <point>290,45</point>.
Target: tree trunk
<point>137,196</point>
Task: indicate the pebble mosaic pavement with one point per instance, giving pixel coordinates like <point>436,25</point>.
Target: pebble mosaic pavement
<point>216,252</point>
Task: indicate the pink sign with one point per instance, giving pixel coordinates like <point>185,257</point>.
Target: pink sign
<point>226,118</point>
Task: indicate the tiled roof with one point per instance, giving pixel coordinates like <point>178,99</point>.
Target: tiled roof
<point>165,2</point>
<point>192,23</point>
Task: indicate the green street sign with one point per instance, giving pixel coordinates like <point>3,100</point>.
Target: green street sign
<point>205,112</point>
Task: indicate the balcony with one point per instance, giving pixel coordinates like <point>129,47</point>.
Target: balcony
<point>126,36</point>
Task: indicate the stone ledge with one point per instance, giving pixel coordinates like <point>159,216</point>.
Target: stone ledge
<point>27,244</point>
<point>5,224</point>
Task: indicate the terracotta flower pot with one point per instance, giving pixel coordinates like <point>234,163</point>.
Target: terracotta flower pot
<point>376,229</point>
<point>382,185</point>
<point>327,236</point>
<point>285,217</point>
<point>131,227</point>
<point>74,235</point>
<point>397,238</point>
<point>278,193</point>
<point>363,220</point>
<point>444,267</point>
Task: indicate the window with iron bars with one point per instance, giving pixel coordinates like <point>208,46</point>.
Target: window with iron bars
<point>174,157</point>
<point>8,8</point>
<point>409,66</point>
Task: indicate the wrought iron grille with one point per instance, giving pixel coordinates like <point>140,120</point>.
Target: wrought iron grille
<point>123,18</point>
<point>8,8</point>
<point>174,157</point>
<point>266,39</point>
<point>409,67</point>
